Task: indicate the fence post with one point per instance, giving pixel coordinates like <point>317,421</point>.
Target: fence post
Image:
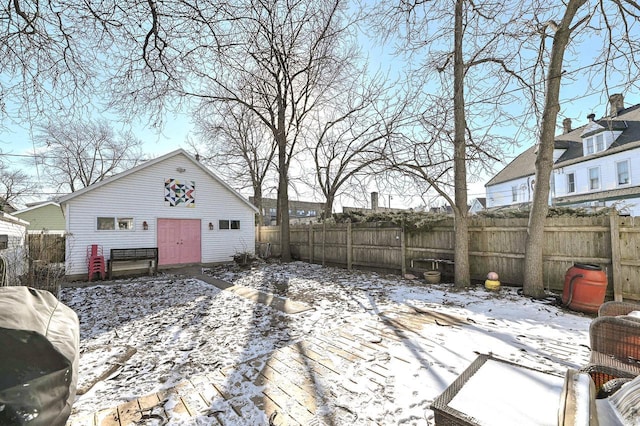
<point>616,270</point>
<point>324,239</point>
<point>349,243</point>
<point>403,252</point>
<point>310,242</point>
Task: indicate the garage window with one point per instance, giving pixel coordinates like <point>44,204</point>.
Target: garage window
<point>228,224</point>
<point>114,223</point>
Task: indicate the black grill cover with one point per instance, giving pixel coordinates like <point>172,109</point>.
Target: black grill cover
<point>39,340</point>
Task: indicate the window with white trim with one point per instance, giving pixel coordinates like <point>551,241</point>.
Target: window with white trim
<point>622,171</point>
<point>571,182</point>
<point>114,223</point>
<point>589,143</point>
<point>228,224</point>
<point>594,178</point>
<point>514,194</point>
<point>599,142</point>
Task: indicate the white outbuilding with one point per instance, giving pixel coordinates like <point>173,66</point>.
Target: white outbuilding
<point>172,203</point>
<point>13,252</point>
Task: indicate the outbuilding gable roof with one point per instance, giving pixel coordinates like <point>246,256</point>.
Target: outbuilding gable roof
<point>150,163</point>
<point>37,206</point>
<point>627,121</point>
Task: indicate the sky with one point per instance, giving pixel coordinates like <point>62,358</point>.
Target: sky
<point>178,127</point>
<point>409,341</point>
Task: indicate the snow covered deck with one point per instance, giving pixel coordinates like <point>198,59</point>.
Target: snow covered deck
<point>291,377</point>
<point>374,349</point>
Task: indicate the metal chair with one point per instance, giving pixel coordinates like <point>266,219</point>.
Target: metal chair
<point>3,271</point>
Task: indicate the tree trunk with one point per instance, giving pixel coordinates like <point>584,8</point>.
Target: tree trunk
<point>257,202</point>
<point>283,185</point>
<point>533,283</point>
<point>283,204</point>
<point>328,207</point>
<point>461,223</point>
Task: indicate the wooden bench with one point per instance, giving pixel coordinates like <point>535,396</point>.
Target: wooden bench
<point>435,263</point>
<point>134,254</point>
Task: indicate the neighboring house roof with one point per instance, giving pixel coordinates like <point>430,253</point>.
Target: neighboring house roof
<point>523,165</point>
<point>627,121</point>
<point>6,206</point>
<point>44,215</point>
<point>34,206</point>
<point>608,195</point>
<point>10,218</point>
<point>150,163</point>
<point>482,201</point>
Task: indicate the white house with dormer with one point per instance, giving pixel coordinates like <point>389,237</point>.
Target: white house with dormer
<point>595,166</point>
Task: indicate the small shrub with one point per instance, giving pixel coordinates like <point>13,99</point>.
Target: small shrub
<point>244,258</point>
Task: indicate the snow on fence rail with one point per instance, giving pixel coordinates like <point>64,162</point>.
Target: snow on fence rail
<point>494,245</point>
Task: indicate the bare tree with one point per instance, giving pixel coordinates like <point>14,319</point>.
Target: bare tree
<point>286,60</point>
<point>238,146</point>
<point>50,54</point>
<point>618,55</point>
<point>14,185</point>
<point>533,282</point>
<point>349,139</point>
<point>443,156</point>
<point>278,58</point>
<point>76,155</point>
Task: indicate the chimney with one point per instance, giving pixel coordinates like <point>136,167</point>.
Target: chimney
<point>591,117</point>
<point>374,201</point>
<point>566,125</point>
<point>616,104</point>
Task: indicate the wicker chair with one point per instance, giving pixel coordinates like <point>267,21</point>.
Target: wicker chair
<point>602,371</point>
<point>615,347</point>
<point>613,309</point>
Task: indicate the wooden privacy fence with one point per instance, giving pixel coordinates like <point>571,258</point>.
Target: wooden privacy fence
<point>48,248</point>
<point>612,242</point>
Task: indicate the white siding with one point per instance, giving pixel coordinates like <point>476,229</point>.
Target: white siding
<point>140,195</point>
<point>502,194</point>
<point>15,254</point>
<point>608,178</point>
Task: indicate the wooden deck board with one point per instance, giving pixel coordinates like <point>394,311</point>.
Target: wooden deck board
<point>108,417</point>
<point>298,386</point>
<point>288,404</point>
